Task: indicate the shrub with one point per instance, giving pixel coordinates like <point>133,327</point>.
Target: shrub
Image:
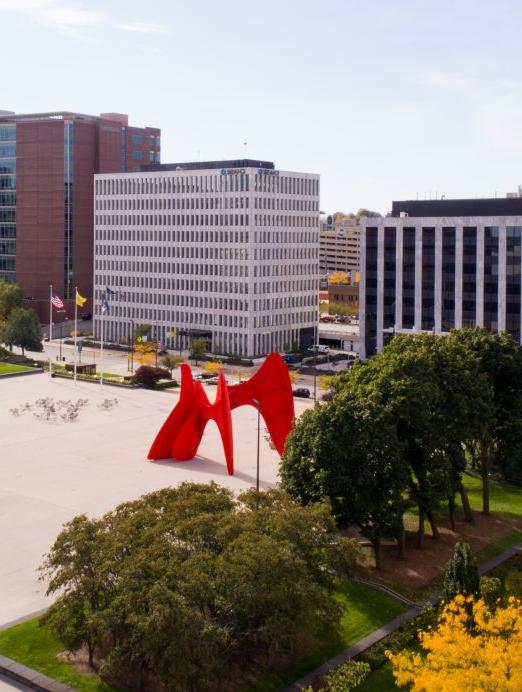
<point>513,583</point>
<point>147,376</point>
<point>490,589</point>
<point>346,677</point>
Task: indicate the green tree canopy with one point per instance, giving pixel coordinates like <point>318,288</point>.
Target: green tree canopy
<point>11,297</point>
<point>188,585</point>
<point>23,329</point>
<point>499,359</point>
<point>348,450</point>
<point>198,348</point>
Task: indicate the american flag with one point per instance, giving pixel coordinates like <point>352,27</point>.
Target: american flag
<point>57,302</point>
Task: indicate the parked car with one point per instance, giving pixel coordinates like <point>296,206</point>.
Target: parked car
<point>302,392</point>
<point>289,359</point>
<point>328,395</point>
<point>319,348</point>
<point>212,380</point>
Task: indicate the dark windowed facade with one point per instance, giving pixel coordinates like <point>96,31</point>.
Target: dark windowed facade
<point>371,291</point>
<point>491,278</point>
<point>390,240</point>
<point>469,276</point>
<point>428,279</point>
<point>448,279</point>
<point>408,278</point>
<point>7,202</point>
<point>513,258</point>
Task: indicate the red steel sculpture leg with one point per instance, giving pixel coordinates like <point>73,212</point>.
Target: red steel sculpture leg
<point>269,390</point>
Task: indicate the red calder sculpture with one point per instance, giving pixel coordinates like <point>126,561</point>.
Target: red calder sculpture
<point>269,390</point>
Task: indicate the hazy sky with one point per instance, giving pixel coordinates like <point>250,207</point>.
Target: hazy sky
<point>386,99</point>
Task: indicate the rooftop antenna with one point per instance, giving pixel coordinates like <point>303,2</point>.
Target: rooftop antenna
<point>245,143</point>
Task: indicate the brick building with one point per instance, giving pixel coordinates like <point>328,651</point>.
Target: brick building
<point>47,167</point>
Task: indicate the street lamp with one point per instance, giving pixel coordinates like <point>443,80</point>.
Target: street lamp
<point>257,403</point>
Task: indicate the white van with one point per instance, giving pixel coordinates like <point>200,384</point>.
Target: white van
<point>319,348</point>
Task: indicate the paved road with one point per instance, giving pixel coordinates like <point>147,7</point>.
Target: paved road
<point>118,362</point>
<point>6,684</point>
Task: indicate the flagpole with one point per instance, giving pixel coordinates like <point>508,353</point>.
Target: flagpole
<point>50,327</point>
<point>75,329</point>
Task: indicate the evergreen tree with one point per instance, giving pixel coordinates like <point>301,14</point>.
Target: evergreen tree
<point>462,575</point>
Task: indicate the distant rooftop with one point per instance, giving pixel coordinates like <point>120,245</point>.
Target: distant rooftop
<point>10,116</point>
<point>204,165</point>
<point>501,206</point>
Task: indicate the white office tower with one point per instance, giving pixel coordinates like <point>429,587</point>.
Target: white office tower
<point>224,250</point>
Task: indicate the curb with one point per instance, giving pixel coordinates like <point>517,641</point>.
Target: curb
<point>30,678</point>
<point>34,371</point>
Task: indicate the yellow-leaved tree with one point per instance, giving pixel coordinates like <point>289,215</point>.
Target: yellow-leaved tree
<point>213,367</point>
<point>338,278</point>
<point>473,647</point>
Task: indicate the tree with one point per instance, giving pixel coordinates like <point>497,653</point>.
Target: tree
<point>171,362</point>
<point>348,451</point>
<point>461,575</point>
<point>338,278</point>
<point>185,585</point>
<point>213,367</point>
<point>348,676</point>
<point>23,329</point>
<point>368,213</point>
<point>473,647</point>
<point>198,348</point>
<point>499,359</point>
<point>75,566</point>
<point>439,400</point>
<point>11,297</point>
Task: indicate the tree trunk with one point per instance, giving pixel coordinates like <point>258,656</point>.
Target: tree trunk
<point>466,507</point>
<point>376,543</point>
<point>90,647</point>
<point>420,532</point>
<point>484,472</point>
<point>401,543</point>
<point>451,509</point>
<point>434,529</point>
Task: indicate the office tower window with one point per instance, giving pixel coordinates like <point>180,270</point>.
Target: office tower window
<point>408,278</point>
<point>428,279</point>
<point>137,139</point>
<point>448,279</point>
<point>469,276</point>
<point>7,202</point>
<point>390,240</point>
<point>491,278</point>
<point>513,258</point>
<point>371,291</point>
<point>137,155</point>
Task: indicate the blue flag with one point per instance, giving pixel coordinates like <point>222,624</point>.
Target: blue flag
<point>105,308</point>
<point>110,292</point>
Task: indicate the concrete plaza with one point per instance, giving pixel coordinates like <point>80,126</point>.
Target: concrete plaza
<point>49,472</point>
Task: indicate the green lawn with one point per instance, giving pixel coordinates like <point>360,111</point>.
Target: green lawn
<point>379,680</point>
<point>505,498</point>
<point>37,648</point>
<point>7,368</point>
<point>364,610</point>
